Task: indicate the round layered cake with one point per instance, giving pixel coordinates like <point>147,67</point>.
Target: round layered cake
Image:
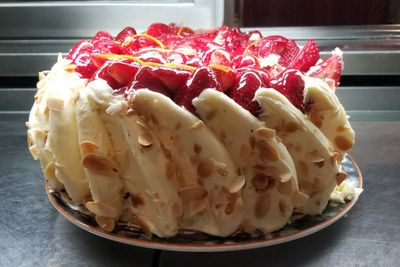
<point>216,131</point>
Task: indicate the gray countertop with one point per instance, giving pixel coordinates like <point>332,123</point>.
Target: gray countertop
<point>33,233</point>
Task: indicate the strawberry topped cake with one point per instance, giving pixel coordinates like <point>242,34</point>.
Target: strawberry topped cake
<point>215,131</point>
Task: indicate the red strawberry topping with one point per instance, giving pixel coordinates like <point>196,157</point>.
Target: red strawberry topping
<point>330,68</point>
<point>290,84</point>
<point>180,62</point>
<point>307,56</point>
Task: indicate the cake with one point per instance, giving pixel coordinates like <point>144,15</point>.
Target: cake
<point>215,131</point>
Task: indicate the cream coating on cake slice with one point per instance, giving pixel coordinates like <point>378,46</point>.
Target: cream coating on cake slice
<point>38,123</point>
<point>326,112</point>
<point>62,139</point>
<point>314,156</point>
<point>96,148</point>
<point>208,183</point>
<point>147,173</point>
<point>271,180</point>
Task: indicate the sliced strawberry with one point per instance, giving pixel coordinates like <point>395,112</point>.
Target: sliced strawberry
<point>290,52</point>
<point>122,35</point>
<point>123,72</point>
<point>290,84</point>
<point>245,61</point>
<point>151,56</point>
<point>201,79</point>
<point>261,73</point>
<point>101,36</point>
<point>330,68</point>
<point>225,78</point>
<point>102,73</point>
<point>244,89</point>
<point>172,78</point>
<point>176,57</point>
<point>273,44</point>
<point>307,56</point>
<point>80,55</point>
<point>159,29</point>
<point>145,79</point>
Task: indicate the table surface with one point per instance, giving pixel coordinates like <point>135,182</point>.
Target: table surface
<point>33,233</point>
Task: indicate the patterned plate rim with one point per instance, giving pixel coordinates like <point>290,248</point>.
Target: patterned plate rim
<point>189,247</point>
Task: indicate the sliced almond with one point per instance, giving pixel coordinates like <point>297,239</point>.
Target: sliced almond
<point>197,125</point>
<point>260,181</point>
<point>221,168</point>
<point>106,223</point>
<point>145,139</point>
<point>205,168</point>
<point>55,103</point>
<point>99,164</point>
<point>137,200</point>
<point>237,184</point>
<point>268,150</point>
<point>192,193</point>
<point>342,142</point>
<point>101,209</point>
<point>88,147</point>
<point>290,127</point>
<point>265,132</point>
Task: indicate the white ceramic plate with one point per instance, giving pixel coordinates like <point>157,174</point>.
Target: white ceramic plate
<point>197,242</point>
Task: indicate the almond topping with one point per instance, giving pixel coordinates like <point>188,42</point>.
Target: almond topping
<point>88,147</point>
<point>145,139</point>
<point>237,184</point>
<point>101,209</point>
<point>192,193</point>
<point>165,151</point>
<point>340,177</point>
<point>106,223</point>
<point>205,168</point>
<point>316,120</point>
<point>229,208</point>
<point>263,204</point>
<point>197,125</point>
<point>54,103</point>
<point>265,132</point>
<point>320,163</point>
<point>136,200</point>
<point>99,164</point>
<point>268,150</point>
<point>197,148</point>
<point>130,112</point>
<point>260,181</point>
<point>290,127</point>
<point>342,143</point>
<point>211,113</point>
<point>221,168</point>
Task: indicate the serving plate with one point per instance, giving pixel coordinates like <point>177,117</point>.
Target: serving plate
<point>299,227</point>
